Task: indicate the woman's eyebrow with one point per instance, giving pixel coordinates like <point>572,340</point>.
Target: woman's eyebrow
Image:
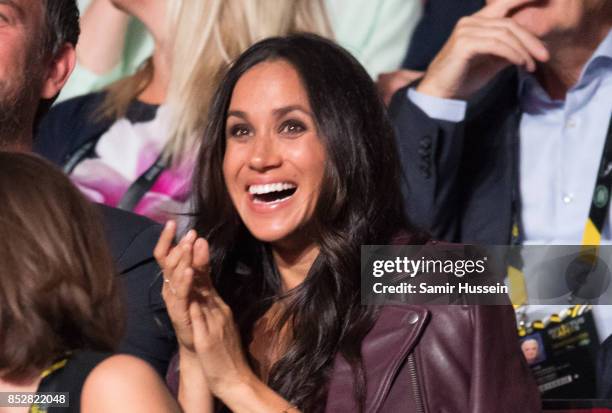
<point>14,6</point>
<point>280,112</point>
<point>237,113</point>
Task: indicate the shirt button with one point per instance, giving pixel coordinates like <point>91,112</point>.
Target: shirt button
<point>571,123</point>
<point>567,198</point>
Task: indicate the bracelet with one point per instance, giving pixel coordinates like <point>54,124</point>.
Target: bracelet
<point>289,408</point>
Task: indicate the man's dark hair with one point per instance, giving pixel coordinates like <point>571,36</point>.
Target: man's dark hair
<point>61,19</point>
<point>61,26</point>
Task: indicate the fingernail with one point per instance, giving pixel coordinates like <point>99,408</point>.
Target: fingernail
<point>169,224</point>
<point>187,236</point>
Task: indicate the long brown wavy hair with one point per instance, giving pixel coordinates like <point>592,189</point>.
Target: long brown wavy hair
<point>58,290</point>
<point>360,203</point>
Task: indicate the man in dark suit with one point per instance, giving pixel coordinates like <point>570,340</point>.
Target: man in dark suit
<point>37,55</point>
<point>506,132</point>
<point>507,74</point>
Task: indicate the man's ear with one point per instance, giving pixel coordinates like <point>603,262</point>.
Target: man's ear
<point>59,71</point>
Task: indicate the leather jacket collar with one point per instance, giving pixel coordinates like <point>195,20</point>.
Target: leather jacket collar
<point>385,349</point>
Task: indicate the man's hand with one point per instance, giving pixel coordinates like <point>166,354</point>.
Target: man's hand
<point>480,47</point>
<point>390,82</point>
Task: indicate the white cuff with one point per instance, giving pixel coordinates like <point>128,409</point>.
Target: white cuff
<point>450,110</point>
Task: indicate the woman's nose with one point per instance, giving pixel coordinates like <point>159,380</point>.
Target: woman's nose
<point>265,153</point>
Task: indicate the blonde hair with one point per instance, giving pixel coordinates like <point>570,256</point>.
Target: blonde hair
<point>121,93</point>
<point>207,36</point>
<point>225,29</point>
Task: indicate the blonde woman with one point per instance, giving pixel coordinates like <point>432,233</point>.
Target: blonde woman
<point>125,147</point>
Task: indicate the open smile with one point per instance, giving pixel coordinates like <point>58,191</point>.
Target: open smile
<point>271,193</point>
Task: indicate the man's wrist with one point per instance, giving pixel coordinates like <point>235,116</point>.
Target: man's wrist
<point>429,88</point>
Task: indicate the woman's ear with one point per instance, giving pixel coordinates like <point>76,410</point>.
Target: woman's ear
<point>59,71</point>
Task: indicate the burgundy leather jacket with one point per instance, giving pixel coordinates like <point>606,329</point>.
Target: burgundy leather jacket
<point>440,359</point>
<point>436,359</point>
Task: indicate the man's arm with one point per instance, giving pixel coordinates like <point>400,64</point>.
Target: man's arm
<point>430,151</point>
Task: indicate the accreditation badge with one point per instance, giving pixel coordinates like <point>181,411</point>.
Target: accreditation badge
<point>562,354</point>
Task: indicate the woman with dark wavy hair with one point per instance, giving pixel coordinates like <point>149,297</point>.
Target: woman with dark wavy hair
<point>297,170</point>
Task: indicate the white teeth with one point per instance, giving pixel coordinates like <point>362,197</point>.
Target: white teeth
<point>267,188</point>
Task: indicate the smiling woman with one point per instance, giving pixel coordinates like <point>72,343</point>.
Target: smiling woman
<point>274,159</point>
<point>298,169</point>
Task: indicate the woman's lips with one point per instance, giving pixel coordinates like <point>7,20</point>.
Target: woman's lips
<point>258,193</point>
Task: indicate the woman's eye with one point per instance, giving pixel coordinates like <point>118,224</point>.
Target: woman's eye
<point>239,131</point>
<point>292,127</point>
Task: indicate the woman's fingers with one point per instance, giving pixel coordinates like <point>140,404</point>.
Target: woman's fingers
<point>164,243</point>
<point>183,285</point>
<point>185,249</point>
<point>216,319</point>
<point>200,326</point>
<point>177,279</point>
<point>201,255</point>
<point>201,264</point>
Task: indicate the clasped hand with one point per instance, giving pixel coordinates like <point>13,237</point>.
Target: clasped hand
<point>203,322</point>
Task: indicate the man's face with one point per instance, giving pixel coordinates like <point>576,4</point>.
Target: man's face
<point>548,19</point>
<point>21,25</point>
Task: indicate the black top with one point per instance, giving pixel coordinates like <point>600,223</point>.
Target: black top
<point>139,112</point>
<point>71,378</point>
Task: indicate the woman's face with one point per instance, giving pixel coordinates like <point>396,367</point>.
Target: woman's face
<point>274,159</point>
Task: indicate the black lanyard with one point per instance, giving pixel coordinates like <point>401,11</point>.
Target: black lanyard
<point>137,189</point>
<point>85,151</point>
<point>142,185</point>
<point>601,195</point>
<point>592,233</point>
